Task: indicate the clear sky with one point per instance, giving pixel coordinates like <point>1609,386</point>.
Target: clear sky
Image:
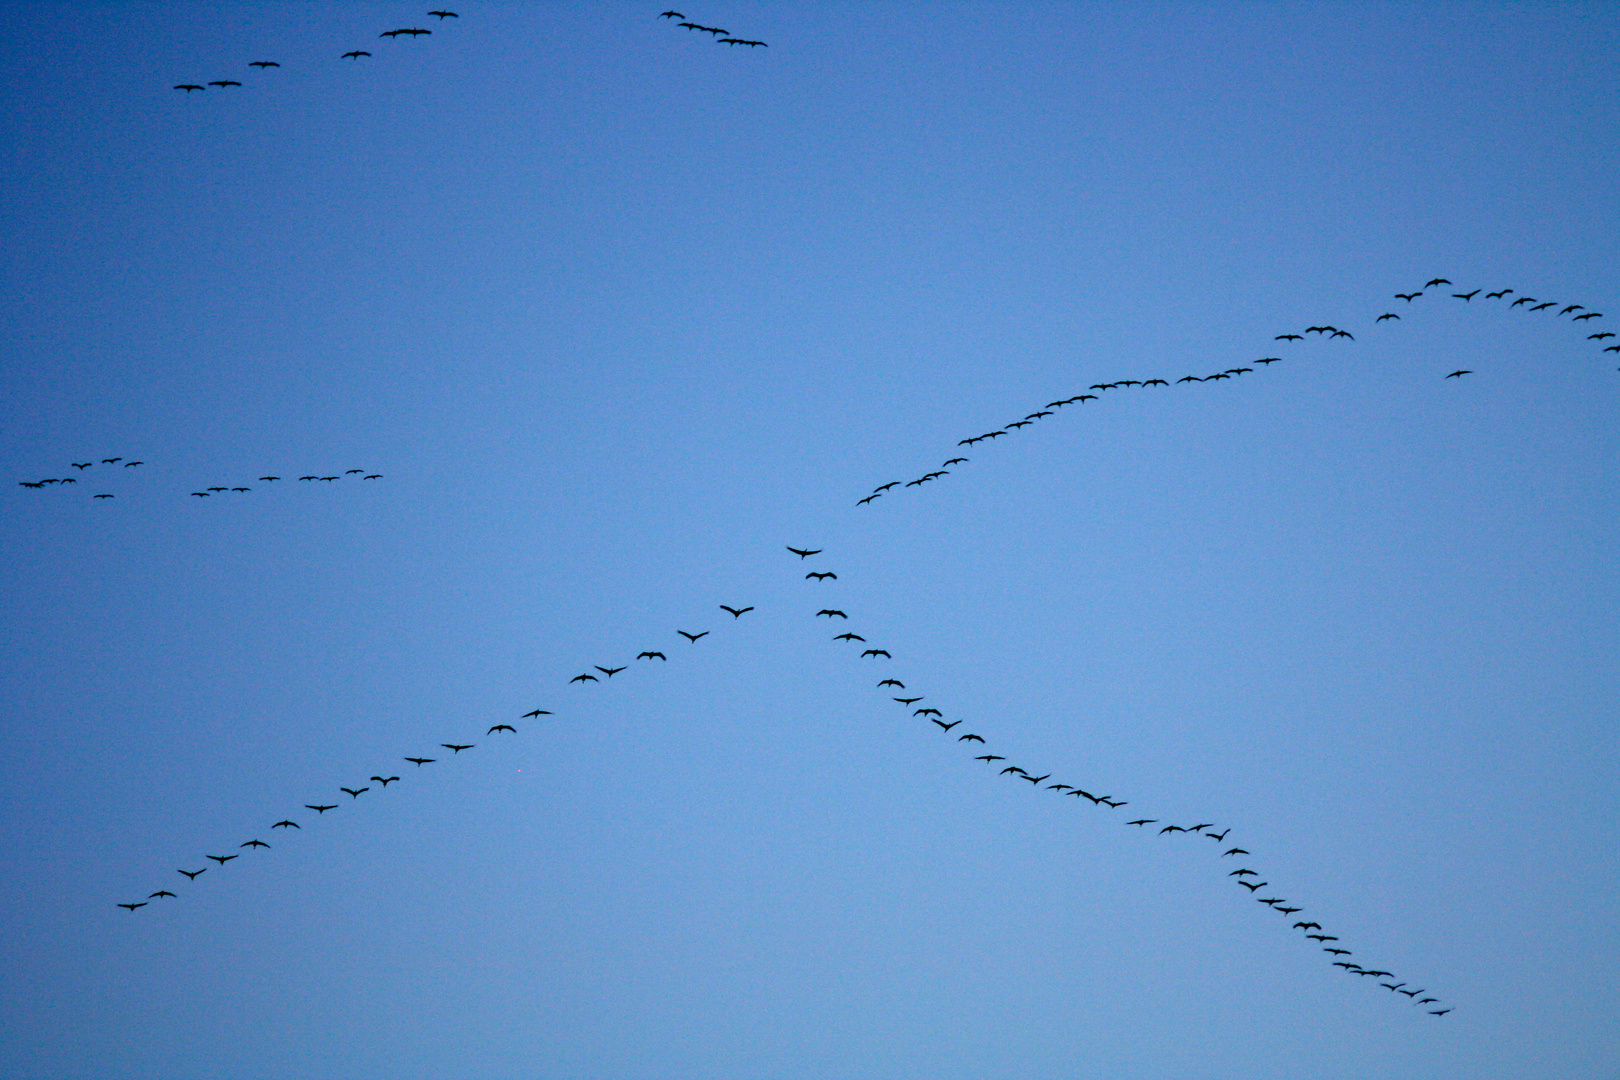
<point>616,312</point>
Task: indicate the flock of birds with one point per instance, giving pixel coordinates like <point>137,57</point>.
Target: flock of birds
<point>61,482</point>
<point>717,34</point>
<point>722,37</point>
<point>262,66</point>
<point>1241,872</point>
<point>1094,392</point>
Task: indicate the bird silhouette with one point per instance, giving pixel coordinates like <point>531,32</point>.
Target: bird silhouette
<point>989,758</point>
<point>498,727</point>
<point>584,678</point>
<point>1234,851</point>
<point>664,15</point>
<point>1143,821</point>
<point>132,907</point>
<point>875,491</point>
<point>421,761</point>
<point>188,87</point>
<point>892,682</point>
<point>1408,297</point>
<point>1548,304</point>
<point>222,83</point>
<point>1466,296</point>
<point>1288,337</point>
<point>1572,307</point>
<point>355,54</point>
<point>1253,887</point>
<point>869,498</point>
<point>926,712</point>
<point>908,701</point>
<point>270,479</point>
<point>651,655</point>
<point>443,15</point>
<point>944,726</point>
<point>878,652</point>
<point>1437,281</point>
<point>1459,373</point>
<point>962,460</point>
<point>831,613</point>
<point>384,780</point>
<point>1599,337</point>
<point>286,825</point>
<point>736,613</point>
<point>221,859</point>
<point>969,737</point>
<point>353,793</point>
<point>1497,295</point>
<point>457,748</point>
<point>1386,315</point>
<point>254,843</point>
<point>692,637</point>
<point>802,554</point>
<point>264,64</point>
<point>1588,315</point>
<point>547,712</point>
<point>192,875</point>
<point>1339,952</point>
<point>608,671</point>
<point>821,576</point>
<point>161,892</point>
<point>101,496</point>
<point>324,809</point>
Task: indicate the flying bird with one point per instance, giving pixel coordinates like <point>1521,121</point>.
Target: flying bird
<point>885,487</point>
<point>264,64</point>
<point>852,637</point>
<point>1386,315</point>
<point>1408,297</point>
<point>1572,307</point>
<point>191,875</point>
<point>1288,337</point>
<point>1599,337</point>
<point>267,479</point>
<point>926,712</point>
<point>254,843</point>
<point>355,54</point>
<point>188,87</point>
<point>1459,373</point>
<point>385,780</point>
<point>584,678</point>
<point>908,701</point>
<point>1588,315</point>
<point>963,460</point>
<point>223,82</point>
<point>1523,300</point>
<point>132,907</point>
<point>1497,295</point>
<point>324,809</point>
<point>1143,821</point>
<point>692,637</point>
<point>458,748</point>
<point>821,576</point>
<point>1466,296</point>
<point>286,825</point>
<point>1031,779</point>
<point>547,712</point>
<point>869,498</point>
<point>221,859</point>
<point>1548,304</point>
<point>86,465</point>
<point>1437,281</point>
<point>969,737</point>
<point>352,793</point>
<point>421,761</point>
<point>989,757</point>
<point>101,496</point>
<point>946,727</point>
<point>493,730</point>
<point>608,671</point>
<point>161,892</point>
<point>830,612</point>
<point>736,613</point>
<point>650,655</point>
<point>443,15</point>
<point>891,682</point>
<point>878,652</point>
<point>805,554</point>
<point>663,15</point>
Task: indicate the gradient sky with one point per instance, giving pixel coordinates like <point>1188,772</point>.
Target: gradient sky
<point>618,312</point>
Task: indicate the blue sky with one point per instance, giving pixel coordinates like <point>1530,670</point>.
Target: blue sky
<point>618,313</point>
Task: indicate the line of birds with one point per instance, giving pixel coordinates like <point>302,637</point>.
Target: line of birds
<point>206,493</point>
<point>721,37</point>
<point>412,32</point>
<point>1311,929</point>
<point>1324,332</point>
<point>418,761</point>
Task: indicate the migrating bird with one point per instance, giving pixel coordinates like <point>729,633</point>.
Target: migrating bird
<point>1466,296</point>
<point>254,843</point>
<point>1143,821</point>
<point>1408,297</point>
<point>264,64</point>
<point>1599,337</point>
<point>86,465</point>
<point>989,758</point>
<point>458,748</point>
<point>1572,307</point>
<point>324,809</point>
<point>926,712</point>
<point>109,496</point>
<point>885,487</point>
<point>421,761</point>
<point>443,15</point>
<point>908,701</point>
<point>948,726</point>
<point>878,652</point>
<point>1497,295</point>
<point>1588,315</point>
<point>1255,887</point>
<point>286,825</point>
<point>736,613</point>
<point>352,793</point>
<point>191,875</point>
<point>221,859</point>
<point>493,730</point>
<point>650,655</point>
<point>830,612</point>
<point>1437,281</point>
<point>188,87</point>
<point>132,907</point>
<point>868,499</point>
<point>1339,952</point>
<point>385,780</point>
<point>692,637</point>
<point>224,83</point>
<point>1548,304</point>
<point>969,737</point>
<point>1386,315</point>
<point>584,678</point>
<point>1307,926</point>
<point>161,892</point>
<point>1288,337</point>
<point>963,460</point>
<point>355,54</point>
<point>822,576</point>
<point>1523,300</point>
<point>270,479</point>
<point>663,15</point>
<point>805,554</point>
<point>1459,373</point>
<point>547,712</point>
<point>891,682</point>
<point>609,671</point>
